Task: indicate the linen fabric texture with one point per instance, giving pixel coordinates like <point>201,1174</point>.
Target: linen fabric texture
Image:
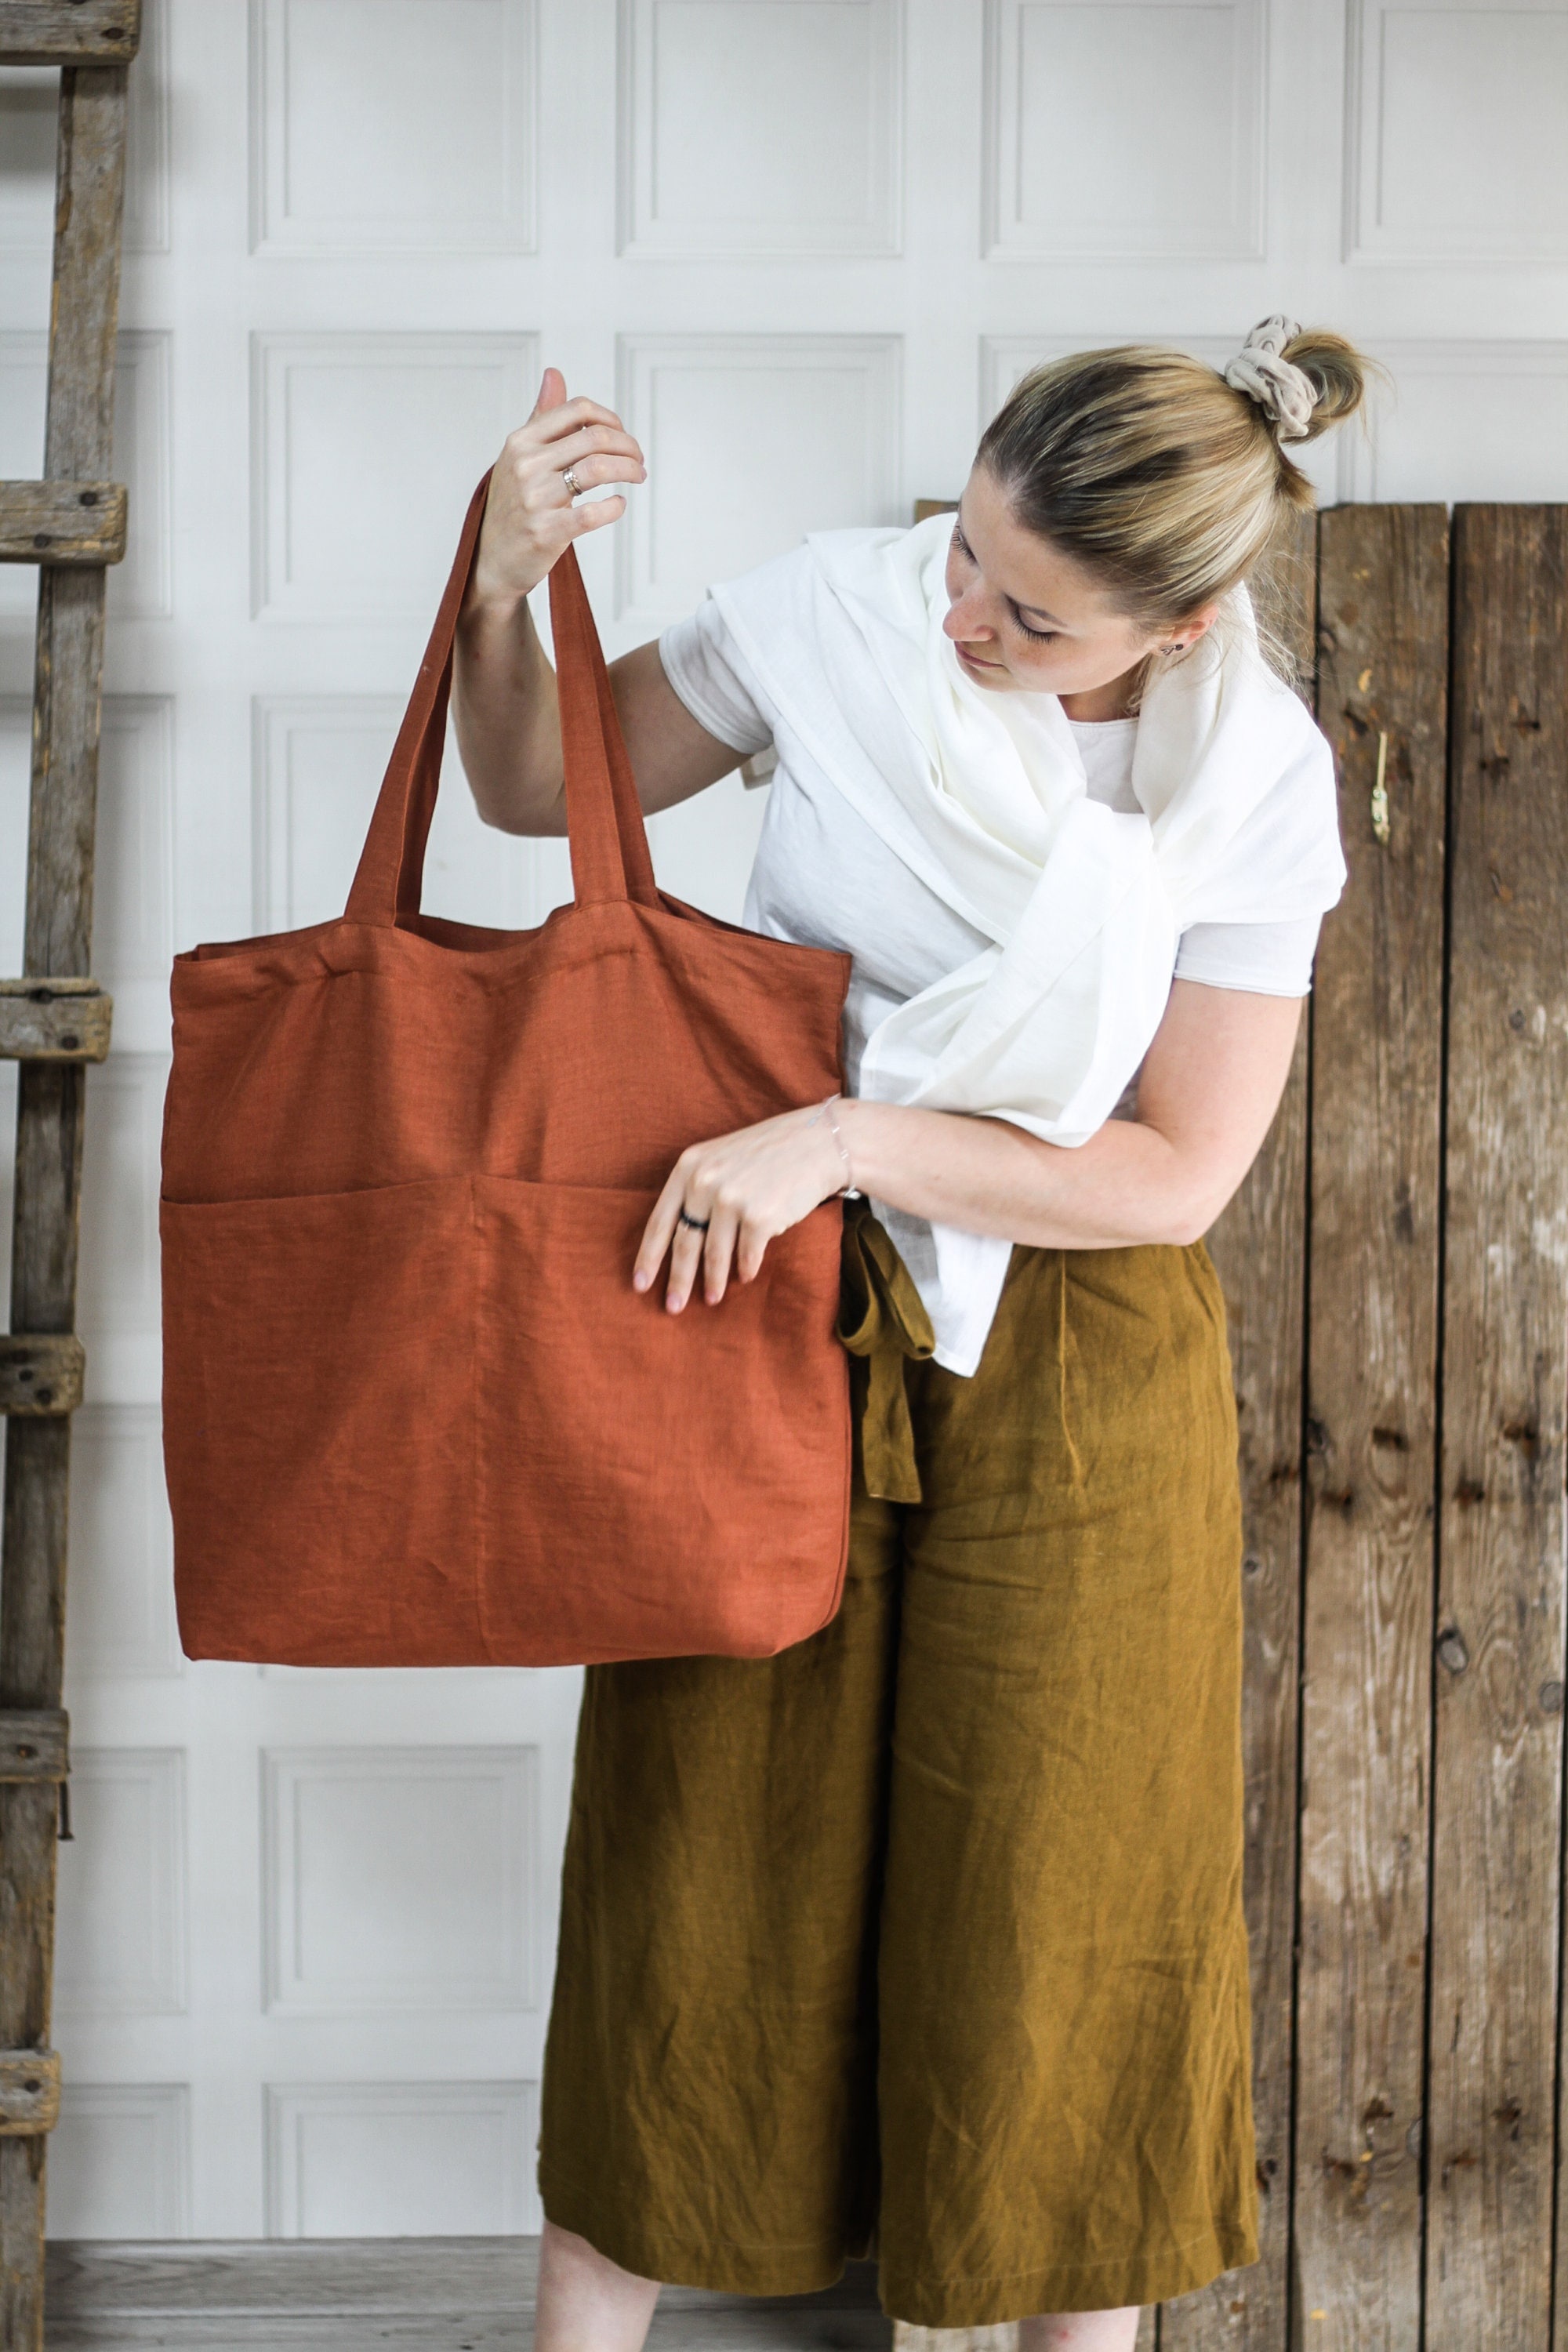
<point>415,1414</point>
<point>1076,908</point>
<point>926,1937</point>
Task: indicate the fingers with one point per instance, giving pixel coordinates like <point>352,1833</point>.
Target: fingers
<point>719,1248</point>
<point>566,416</point>
<point>595,517</point>
<point>659,1232</point>
<point>685,1264</point>
<point>552,392</point>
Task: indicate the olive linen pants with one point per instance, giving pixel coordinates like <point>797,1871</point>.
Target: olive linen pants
<point>925,1936</point>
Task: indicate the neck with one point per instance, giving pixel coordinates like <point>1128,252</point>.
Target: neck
<point>1112,701</point>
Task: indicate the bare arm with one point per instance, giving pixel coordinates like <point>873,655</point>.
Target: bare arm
<point>504,698</point>
<point>1210,1086</point>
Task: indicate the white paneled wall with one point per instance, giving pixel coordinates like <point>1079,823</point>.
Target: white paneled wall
<point>402,1878</point>
<point>774,128</point>
<point>740,422</point>
<point>1115,129</point>
<point>307,1919</point>
<point>372,174</point>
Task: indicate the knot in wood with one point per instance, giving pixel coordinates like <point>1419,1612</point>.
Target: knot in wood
<point>1453,1650</point>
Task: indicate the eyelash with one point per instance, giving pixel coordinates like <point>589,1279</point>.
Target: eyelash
<point>1036,636</point>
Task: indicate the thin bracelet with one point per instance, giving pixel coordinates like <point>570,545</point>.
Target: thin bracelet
<point>848,1183</point>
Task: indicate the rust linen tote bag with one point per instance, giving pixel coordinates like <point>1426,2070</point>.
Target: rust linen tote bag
<point>414,1412</point>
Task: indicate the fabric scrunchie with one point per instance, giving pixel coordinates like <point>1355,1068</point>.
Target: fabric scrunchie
<point>1284,392</point>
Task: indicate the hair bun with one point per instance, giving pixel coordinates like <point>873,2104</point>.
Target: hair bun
<point>1285,394</point>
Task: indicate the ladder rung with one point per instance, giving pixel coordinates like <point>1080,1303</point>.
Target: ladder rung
<point>40,1372</point>
<point>62,522</point>
<point>54,1021</point>
<point>35,1743</point>
<point>30,2092</point>
<point>69,32</point>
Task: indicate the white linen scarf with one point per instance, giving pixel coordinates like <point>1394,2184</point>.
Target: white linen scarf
<point>984,796</point>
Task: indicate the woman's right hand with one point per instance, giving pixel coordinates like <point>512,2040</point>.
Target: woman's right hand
<point>530,519</point>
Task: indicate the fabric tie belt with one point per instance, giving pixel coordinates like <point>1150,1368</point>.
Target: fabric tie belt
<point>883,1323</point>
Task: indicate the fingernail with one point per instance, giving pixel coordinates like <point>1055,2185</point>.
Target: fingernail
<point>640,1280</point>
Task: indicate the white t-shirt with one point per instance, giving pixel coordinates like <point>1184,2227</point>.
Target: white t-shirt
<point>823,878</point>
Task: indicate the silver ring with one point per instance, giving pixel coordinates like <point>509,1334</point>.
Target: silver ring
<point>570,477</point>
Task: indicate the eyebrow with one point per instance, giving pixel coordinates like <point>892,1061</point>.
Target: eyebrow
<point>1038,611</point>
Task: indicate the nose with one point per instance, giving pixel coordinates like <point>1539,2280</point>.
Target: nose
<point>965,619</point>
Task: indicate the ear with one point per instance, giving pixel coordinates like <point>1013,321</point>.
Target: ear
<point>1187,633</point>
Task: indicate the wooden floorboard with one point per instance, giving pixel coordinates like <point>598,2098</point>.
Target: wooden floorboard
<point>438,2294</point>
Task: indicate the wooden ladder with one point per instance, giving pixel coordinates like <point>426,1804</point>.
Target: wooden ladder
<point>53,1021</point>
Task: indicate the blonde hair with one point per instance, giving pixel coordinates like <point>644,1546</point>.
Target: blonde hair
<point>1163,479</point>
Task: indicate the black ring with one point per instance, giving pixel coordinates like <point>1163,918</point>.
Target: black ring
<point>696,1224</point>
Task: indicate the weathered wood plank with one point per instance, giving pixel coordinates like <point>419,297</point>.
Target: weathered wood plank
<point>70,32</point>
<point>1499,1677</point>
<point>30,2092</point>
<point>89,197</point>
<point>1003,2339</point>
<point>432,2295</point>
<point>1372,1357</point>
<point>40,1372</point>
<point>35,1743</point>
<point>54,1021</point>
<point>1259,1248</point>
<point>62,522</point>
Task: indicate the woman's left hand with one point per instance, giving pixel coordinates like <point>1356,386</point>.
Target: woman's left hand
<point>743,1188</point>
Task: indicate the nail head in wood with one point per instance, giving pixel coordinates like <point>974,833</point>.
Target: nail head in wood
<point>62,522</point>
<point>35,1743</point>
<point>40,1372</point>
<point>54,1020</point>
<point>30,2092</point>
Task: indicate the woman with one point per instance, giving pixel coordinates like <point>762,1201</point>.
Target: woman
<point>926,1935</point>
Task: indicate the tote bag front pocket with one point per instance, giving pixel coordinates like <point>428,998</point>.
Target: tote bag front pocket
<point>305,1338</point>
<point>687,1435</point>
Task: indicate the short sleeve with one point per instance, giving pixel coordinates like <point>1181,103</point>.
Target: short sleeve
<point>706,671</point>
<point>1265,958</point>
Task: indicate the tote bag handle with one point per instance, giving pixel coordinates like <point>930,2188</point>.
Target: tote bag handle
<point>604,817</point>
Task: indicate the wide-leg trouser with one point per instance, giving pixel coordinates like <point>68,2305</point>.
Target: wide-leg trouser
<point>925,1936</point>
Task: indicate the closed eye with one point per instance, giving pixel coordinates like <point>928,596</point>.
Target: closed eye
<point>1038,636</point>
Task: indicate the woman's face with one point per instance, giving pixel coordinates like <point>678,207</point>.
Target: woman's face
<point>1022,616</point>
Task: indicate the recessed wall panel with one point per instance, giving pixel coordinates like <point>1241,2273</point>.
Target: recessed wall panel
<point>146,226</point>
<point>30,119</point>
<point>120,1936</point>
<point>760,126</point>
<point>118,1288</point>
<point>400,2159</point>
<point>435,151</point>
<point>131,918</point>
<point>1124,129</point>
<point>121,1599</point>
<point>120,2161</point>
<point>402,1878</point>
<point>1457,129</point>
<point>752,441</point>
<point>1466,420</point>
<point>365,449</point>
<point>319,763</point>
